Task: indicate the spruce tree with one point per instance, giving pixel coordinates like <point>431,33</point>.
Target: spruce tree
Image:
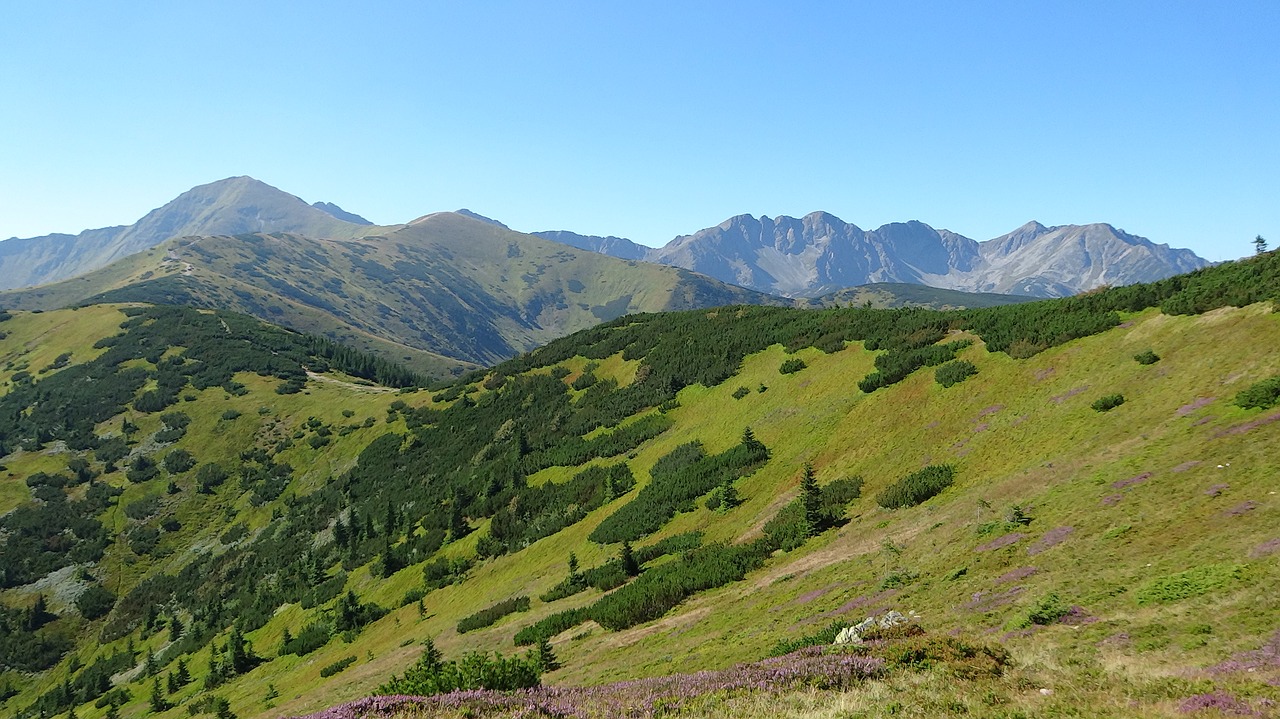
<point>811,498</point>
<point>547,656</point>
<point>628,559</point>
<point>158,702</point>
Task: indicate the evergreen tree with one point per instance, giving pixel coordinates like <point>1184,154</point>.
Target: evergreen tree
<point>158,702</point>
<point>573,567</point>
<point>811,498</point>
<point>171,683</point>
<point>728,495</point>
<point>175,627</point>
<point>547,656</point>
<point>149,665</point>
<point>183,674</point>
<point>628,559</point>
<point>112,712</point>
<point>1259,244</point>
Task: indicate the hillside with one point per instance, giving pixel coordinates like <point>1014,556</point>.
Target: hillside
<point>819,254</point>
<point>463,290</point>
<point>1125,559</point>
<point>232,206</point>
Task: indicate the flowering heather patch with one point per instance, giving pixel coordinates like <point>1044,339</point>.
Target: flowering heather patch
<point>986,601</point>
<point>1068,395</point>
<point>981,427</point>
<point>1000,542</point>
<point>1121,484</point>
<point>1051,538</point>
<point>1187,409</point>
<point>1077,616</point>
<point>857,603</point>
<point>1044,374</point>
<point>1112,499</point>
<point>1249,426</point>
<point>1217,489</point>
<point>810,596</point>
<point>990,410</point>
<point>1264,658</point>
<point>1242,508</point>
<point>1016,575</point>
<point>1204,420</point>
<point>810,667</point>
<point>1220,702</point>
<point>1264,549</point>
<point>1186,465</point>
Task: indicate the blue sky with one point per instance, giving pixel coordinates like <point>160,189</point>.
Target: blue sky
<point>649,119</point>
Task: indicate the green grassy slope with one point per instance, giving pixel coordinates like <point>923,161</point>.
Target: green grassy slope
<point>1157,519</point>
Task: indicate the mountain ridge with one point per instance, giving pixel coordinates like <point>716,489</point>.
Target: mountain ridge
<point>819,253</point>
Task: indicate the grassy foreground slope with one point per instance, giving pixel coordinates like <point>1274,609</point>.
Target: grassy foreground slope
<point>1166,561</point>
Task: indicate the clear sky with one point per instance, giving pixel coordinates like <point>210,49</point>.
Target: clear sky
<point>651,119</point>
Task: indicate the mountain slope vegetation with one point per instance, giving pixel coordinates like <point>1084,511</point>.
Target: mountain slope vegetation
<point>447,285</point>
<point>343,524</point>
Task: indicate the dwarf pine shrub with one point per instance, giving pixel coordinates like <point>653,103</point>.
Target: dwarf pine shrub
<point>1260,395</point>
<point>917,487</point>
<point>1147,357</point>
<point>489,615</point>
<point>1108,403</point>
<point>954,372</point>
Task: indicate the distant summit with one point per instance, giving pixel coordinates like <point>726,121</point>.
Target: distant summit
<point>476,216</point>
<point>227,207</point>
<point>819,254</point>
<point>340,213</point>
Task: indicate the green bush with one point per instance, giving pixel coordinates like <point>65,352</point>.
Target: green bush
<point>337,666</point>
<point>312,637</point>
<point>551,626</point>
<point>1046,610</point>
<point>95,601</point>
<point>791,366</point>
<point>487,616</point>
<point>1147,357</point>
<point>1191,583</point>
<point>954,372</point>
<point>917,487</point>
<point>1261,395</point>
<point>1108,403</point>
<point>179,461</point>
<point>481,670</point>
<point>741,392</point>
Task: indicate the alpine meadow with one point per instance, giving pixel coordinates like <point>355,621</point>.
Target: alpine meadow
<point>1053,508</point>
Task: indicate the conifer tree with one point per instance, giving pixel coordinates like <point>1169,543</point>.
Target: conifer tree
<point>158,702</point>
<point>547,656</point>
<point>628,559</point>
<point>811,498</point>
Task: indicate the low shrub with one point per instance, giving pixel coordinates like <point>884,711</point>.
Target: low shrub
<point>917,487</point>
<point>1108,403</point>
<point>791,366</point>
<point>312,637</point>
<point>551,626</point>
<point>741,392</point>
<point>1191,583</point>
<point>1147,357</point>
<point>479,670</point>
<point>1047,610</point>
<point>487,616</point>
<point>954,372</point>
<point>1261,395</point>
<point>337,666</point>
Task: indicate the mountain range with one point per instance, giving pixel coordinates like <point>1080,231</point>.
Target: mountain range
<point>820,253</point>
<point>790,257</point>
